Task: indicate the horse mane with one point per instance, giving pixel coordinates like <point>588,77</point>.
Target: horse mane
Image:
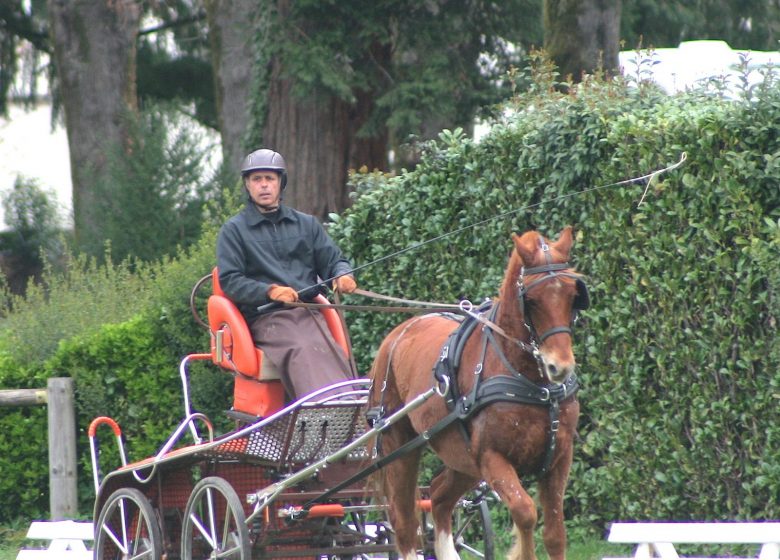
<point>511,276</point>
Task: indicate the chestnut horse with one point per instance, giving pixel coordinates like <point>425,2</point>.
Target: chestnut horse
<point>525,346</point>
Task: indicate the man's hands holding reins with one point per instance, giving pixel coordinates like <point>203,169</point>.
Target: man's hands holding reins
<point>345,284</point>
<point>285,294</point>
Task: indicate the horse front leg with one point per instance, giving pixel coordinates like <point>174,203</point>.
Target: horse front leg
<point>502,477</point>
<point>447,487</point>
<point>551,492</point>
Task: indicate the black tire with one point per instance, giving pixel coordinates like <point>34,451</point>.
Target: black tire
<point>214,523</point>
<point>472,531</point>
<point>375,530</point>
<point>472,528</point>
<point>127,528</point>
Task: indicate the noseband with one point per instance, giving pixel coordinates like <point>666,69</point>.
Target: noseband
<point>550,271</point>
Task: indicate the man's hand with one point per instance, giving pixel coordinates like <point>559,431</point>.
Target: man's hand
<point>284,294</point>
<point>345,284</point>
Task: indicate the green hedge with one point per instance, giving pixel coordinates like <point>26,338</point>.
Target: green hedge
<point>127,368</point>
<point>678,354</point>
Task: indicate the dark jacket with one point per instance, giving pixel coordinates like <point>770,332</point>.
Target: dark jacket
<point>254,252</point>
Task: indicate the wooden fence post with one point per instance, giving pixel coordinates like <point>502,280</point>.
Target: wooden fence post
<point>63,499</point>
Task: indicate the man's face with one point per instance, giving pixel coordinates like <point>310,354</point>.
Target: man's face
<point>264,188</point>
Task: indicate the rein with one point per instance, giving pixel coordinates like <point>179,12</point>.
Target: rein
<point>465,307</point>
<point>419,306</point>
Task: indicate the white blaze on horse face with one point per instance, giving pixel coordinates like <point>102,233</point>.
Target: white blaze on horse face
<point>556,352</point>
<point>445,547</point>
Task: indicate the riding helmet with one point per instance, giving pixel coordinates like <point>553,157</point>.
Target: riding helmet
<point>266,160</point>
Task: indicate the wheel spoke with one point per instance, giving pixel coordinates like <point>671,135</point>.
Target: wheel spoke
<point>212,520</point>
<point>108,531</point>
<point>215,523</point>
<point>465,523</point>
<point>137,541</point>
<point>123,515</point>
<point>128,528</point>
<point>202,530</point>
<point>226,525</point>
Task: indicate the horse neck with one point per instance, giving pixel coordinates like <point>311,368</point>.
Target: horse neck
<point>510,319</point>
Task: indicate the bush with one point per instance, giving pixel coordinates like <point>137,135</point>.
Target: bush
<point>151,204</point>
<point>679,353</point>
<point>120,332</point>
<point>34,234</point>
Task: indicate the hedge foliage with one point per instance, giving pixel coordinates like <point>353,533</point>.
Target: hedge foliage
<point>120,334</point>
<point>678,354</point>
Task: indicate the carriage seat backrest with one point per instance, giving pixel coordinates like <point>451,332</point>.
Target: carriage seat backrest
<point>232,346</point>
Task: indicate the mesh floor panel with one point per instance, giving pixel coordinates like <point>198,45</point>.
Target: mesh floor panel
<point>303,436</point>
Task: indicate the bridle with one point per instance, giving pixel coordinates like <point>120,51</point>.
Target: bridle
<point>549,271</point>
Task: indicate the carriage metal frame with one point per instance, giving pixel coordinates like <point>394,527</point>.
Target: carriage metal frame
<point>274,487</point>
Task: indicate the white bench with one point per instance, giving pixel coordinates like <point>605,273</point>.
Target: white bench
<point>657,540</point>
<point>68,540</point>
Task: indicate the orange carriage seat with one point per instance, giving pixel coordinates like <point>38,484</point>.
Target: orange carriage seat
<point>257,389</point>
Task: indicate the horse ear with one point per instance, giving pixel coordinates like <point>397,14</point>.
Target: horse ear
<point>526,246</point>
<point>564,242</point>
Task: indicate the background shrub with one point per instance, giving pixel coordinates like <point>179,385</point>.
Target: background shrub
<point>679,355</point>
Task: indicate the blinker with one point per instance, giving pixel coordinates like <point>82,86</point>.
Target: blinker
<point>582,299</point>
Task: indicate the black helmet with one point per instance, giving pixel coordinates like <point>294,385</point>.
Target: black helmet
<point>266,160</point>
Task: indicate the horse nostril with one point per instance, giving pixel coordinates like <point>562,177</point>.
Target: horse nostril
<point>551,371</point>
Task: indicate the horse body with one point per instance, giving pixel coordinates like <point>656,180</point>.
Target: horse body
<point>504,441</point>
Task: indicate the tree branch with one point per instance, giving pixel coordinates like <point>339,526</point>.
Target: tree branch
<point>22,26</point>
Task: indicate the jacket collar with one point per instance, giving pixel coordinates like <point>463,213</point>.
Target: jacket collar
<point>254,217</point>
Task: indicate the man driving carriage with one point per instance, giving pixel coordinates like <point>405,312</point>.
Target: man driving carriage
<point>270,252</point>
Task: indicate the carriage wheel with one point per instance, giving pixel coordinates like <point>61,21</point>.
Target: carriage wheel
<point>472,528</point>
<point>214,523</point>
<point>127,528</point>
<point>373,529</point>
<point>472,531</point>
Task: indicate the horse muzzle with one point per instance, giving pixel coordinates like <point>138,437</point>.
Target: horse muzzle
<point>557,370</point>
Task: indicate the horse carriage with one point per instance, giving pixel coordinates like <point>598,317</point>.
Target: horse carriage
<point>291,479</point>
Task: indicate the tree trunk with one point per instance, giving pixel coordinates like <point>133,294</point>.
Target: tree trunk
<point>232,38</point>
<point>318,135</point>
<point>581,36</point>
<point>94,51</point>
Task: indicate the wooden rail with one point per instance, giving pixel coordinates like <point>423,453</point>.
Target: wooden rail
<point>58,395</point>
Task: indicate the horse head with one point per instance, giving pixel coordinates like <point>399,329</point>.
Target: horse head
<point>543,293</point>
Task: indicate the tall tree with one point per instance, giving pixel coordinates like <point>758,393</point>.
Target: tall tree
<point>336,85</point>
<point>581,36</point>
<point>94,46</point>
<point>232,25</point>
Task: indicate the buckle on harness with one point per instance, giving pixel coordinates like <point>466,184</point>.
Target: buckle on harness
<point>545,395</point>
<point>442,385</point>
<point>375,415</point>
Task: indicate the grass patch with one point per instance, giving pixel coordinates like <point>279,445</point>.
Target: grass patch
<point>12,537</point>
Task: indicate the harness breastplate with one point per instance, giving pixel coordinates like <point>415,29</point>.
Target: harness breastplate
<point>511,388</point>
